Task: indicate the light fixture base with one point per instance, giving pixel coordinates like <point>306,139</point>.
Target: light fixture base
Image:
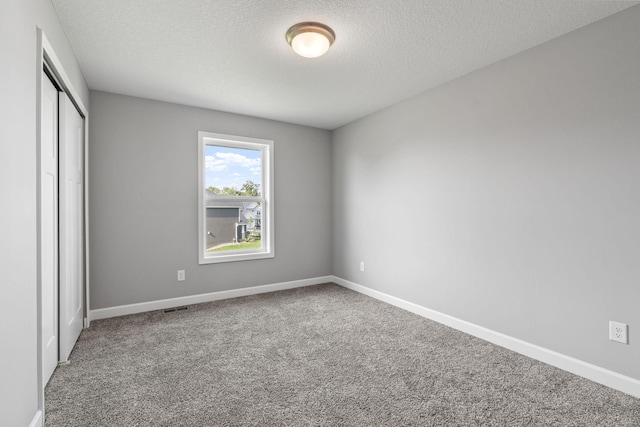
<point>307,29</point>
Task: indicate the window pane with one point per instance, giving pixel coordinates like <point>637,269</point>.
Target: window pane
<point>233,171</point>
<point>232,226</point>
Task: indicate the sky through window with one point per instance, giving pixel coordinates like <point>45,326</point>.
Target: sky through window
<point>231,167</point>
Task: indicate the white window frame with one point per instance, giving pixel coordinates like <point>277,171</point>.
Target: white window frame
<point>266,199</point>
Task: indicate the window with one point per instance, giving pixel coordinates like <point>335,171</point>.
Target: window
<point>235,202</point>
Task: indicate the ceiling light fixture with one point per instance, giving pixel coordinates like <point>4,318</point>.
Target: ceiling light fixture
<point>310,39</point>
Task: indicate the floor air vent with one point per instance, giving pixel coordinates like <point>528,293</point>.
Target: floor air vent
<point>172,310</point>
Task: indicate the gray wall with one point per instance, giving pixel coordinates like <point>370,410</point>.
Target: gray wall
<point>18,318</point>
<point>144,159</point>
<point>522,183</point>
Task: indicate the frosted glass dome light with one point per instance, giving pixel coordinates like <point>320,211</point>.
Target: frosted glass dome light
<point>310,39</point>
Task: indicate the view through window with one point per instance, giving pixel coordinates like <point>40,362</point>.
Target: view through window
<point>235,219</point>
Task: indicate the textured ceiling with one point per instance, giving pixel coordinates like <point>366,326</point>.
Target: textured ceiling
<point>231,55</point>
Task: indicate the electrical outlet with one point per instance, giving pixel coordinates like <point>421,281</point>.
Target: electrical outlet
<point>618,332</point>
<point>361,265</point>
<point>181,276</point>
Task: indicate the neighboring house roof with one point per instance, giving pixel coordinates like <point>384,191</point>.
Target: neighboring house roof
<point>212,200</point>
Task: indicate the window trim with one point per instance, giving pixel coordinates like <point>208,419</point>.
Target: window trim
<point>267,212</point>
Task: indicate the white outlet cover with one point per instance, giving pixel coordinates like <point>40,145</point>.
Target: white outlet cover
<point>181,275</point>
<point>618,332</point>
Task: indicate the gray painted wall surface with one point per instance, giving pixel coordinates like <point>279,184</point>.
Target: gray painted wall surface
<point>18,318</point>
<point>144,159</point>
<point>522,181</point>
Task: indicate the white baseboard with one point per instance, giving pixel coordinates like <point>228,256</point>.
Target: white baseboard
<point>121,310</point>
<point>37,420</point>
<point>594,373</point>
<point>587,370</point>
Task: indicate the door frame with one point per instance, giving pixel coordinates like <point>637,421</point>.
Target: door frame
<point>46,55</point>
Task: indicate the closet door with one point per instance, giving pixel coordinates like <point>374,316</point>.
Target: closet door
<point>71,225</point>
<point>49,226</point>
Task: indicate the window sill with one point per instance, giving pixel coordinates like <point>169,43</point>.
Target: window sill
<point>245,256</point>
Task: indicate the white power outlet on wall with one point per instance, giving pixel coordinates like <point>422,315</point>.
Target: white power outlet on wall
<point>361,265</point>
<point>181,276</point>
<point>618,332</point>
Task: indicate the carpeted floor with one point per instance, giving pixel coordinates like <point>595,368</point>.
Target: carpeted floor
<point>321,356</point>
